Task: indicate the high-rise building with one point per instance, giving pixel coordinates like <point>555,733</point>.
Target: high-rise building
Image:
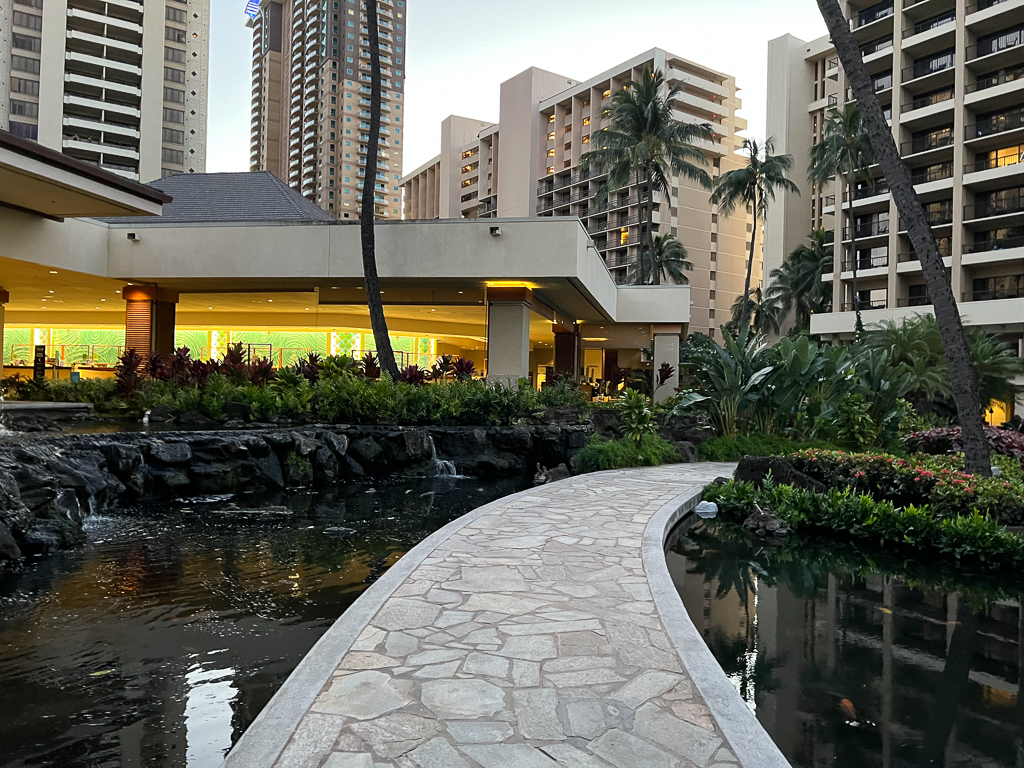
<point>950,77</point>
<point>121,84</point>
<point>311,100</point>
<point>527,164</point>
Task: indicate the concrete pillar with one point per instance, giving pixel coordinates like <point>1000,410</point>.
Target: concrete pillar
<point>666,350</point>
<point>149,320</point>
<point>508,335</point>
<point>4,298</point>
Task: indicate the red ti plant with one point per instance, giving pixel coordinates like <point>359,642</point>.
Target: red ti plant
<point>234,364</point>
<point>129,373</point>
<point>200,372</point>
<point>413,375</point>
<point>309,367</point>
<point>665,372</point>
<point>180,368</point>
<point>261,371</point>
<point>464,369</point>
<point>369,366</point>
<point>157,368</point>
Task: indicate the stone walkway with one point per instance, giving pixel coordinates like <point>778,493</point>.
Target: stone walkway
<point>528,637</point>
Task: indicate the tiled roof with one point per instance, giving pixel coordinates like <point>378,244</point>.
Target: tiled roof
<point>226,197</point>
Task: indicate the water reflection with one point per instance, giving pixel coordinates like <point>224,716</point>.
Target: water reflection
<point>851,658</point>
<point>160,641</point>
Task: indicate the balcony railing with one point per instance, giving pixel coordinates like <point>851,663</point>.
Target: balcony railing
<point>1000,207</point>
<point>991,81</point>
<point>833,99</point>
<point>828,200</point>
<point>926,101</point>
<point>623,222</point>
<point>994,294</point>
<point>930,67</point>
<point>881,44</point>
<point>1008,121</point>
<point>995,244</point>
<point>881,188</point>
<point>924,26</point>
<point>832,63</point>
<point>914,301</point>
<point>982,5</point>
<point>873,229</point>
<point>935,218</point>
<point>926,143</point>
<point>866,262</point>
<point>945,246</point>
<point>863,19</point>
<point>1003,42</point>
<point>932,173</point>
<point>866,304</point>
<point>988,163</point>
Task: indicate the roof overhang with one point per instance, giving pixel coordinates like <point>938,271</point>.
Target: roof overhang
<point>47,183</point>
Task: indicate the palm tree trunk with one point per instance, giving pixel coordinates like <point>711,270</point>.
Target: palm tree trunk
<point>385,354</point>
<point>859,325</point>
<point>655,264</point>
<point>947,314</point>
<point>745,313</point>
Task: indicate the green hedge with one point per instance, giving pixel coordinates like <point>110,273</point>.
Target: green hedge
<point>735,448</point>
<point>601,453</point>
<point>973,538</point>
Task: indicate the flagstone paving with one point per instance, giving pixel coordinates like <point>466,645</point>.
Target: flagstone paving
<point>529,637</point>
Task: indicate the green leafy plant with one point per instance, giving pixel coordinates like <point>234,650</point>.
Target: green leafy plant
<point>600,453</point>
<point>637,417</point>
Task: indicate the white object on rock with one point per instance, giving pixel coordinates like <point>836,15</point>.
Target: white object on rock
<point>707,510</point>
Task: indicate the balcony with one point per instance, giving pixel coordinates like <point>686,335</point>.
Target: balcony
<point>927,68</point>
<point>995,294</point>
<point>920,102</point>
<point>935,218</point>
<point>931,173</point>
<point>866,262</point>
<point>991,163</point>
<point>944,244</point>
<point>1004,42</point>
<point>914,301</point>
<point>866,304</point>
<point>930,24</point>
<point>995,124</point>
<point>873,229</point>
<point>609,225</point>
<point>982,5</point>
<point>995,244</point>
<point>876,190</point>
<point>865,18</point>
<point>983,83</point>
<point>926,143</point>
<point>1001,207</point>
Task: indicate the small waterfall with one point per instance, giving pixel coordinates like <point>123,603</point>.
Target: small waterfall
<point>442,468</point>
<point>4,429</point>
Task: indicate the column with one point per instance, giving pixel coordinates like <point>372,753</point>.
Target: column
<point>4,298</point>
<point>149,320</point>
<point>666,350</point>
<point>567,351</point>
<point>508,335</point>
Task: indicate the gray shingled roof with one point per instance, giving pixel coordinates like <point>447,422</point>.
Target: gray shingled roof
<point>222,197</point>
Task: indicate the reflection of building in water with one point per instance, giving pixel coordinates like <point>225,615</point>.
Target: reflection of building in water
<point>866,668</point>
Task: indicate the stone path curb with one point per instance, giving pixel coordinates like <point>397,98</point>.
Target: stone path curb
<point>540,630</point>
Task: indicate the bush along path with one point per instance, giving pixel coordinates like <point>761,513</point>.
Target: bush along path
<point>925,505</point>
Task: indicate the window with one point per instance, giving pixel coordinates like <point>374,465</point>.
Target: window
<point>714,275</point>
<point>172,136</point>
<point>29,20</point>
<point>175,95</point>
<point>551,136</point>
<point>174,54</point>
<point>173,116</point>
<point>174,75</point>
<point>606,94</point>
<point>568,146</point>
<point>551,118</point>
<point>24,130</point>
<point>586,139</point>
<point>173,156</point>
<point>25,64</point>
<point>175,14</point>
<point>21,85</point>
<point>568,129</point>
<point>174,35</point>
<point>586,120</point>
<point>551,153</point>
<point>27,42</point>
<point>24,108</point>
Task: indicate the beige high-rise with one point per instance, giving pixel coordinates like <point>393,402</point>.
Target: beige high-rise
<point>527,165</point>
<point>311,100</point>
<point>121,84</point>
<point>950,76</point>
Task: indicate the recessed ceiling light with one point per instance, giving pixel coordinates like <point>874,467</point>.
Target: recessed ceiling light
<point>53,271</point>
<point>209,307</point>
<point>116,291</point>
<point>270,300</point>
<point>131,283</point>
<point>307,309</point>
<point>102,299</point>
<point>44,299</point>
<point>50,291</point>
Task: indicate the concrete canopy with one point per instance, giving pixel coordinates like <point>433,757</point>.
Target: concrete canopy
<point>47,183</point>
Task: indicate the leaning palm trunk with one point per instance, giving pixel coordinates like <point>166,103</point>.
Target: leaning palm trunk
<point>385,354</point>
<point>655,264</point>
<point>947,315</point>
<point>745,312</point>
<point>859,325</point>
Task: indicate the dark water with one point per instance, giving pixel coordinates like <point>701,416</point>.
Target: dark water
<point>860,658</point>
<point>161,640</point>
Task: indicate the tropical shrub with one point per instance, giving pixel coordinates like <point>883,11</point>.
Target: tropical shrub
<point>602,453</point>
<point>637,418</point>
<point>972,538</point>
<point>938,482</point>
<point>735,448</point>
<point>1006,442</point>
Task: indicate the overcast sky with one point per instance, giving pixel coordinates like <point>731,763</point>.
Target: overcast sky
<point>459,52</point>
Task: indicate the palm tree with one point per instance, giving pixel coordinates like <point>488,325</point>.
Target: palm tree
<point>954,341</point>
<point>753,187</point>
<point>669,260</point>
<point>763,315</point>
<point>797,287</point>
<point>844,152</point>
<point>644,140</point>
<point>385,354</point>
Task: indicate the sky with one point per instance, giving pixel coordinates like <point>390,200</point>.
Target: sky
<point>460,51</point>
